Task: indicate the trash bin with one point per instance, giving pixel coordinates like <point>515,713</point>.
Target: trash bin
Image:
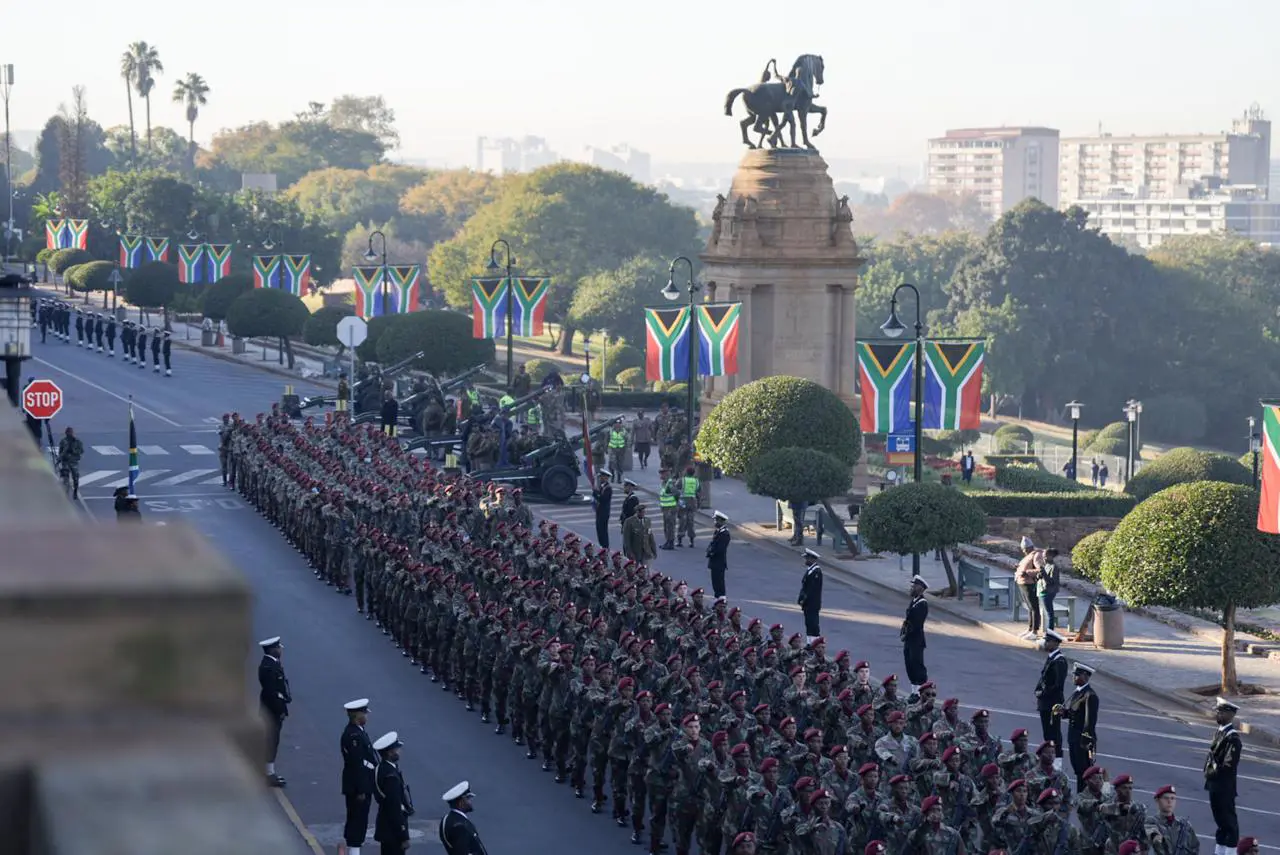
<point>1108,622</point>
<point>208,338</point>
<point>238,346</point>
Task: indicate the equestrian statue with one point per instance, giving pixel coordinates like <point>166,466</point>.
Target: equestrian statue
<point>786,97</point>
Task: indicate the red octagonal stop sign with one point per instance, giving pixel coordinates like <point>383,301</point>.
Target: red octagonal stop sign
<point>42,399</point>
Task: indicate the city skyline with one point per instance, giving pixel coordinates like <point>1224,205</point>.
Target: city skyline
<point>917,69</point>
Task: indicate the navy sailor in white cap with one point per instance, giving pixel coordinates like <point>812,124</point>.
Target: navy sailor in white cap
<point>718,553</point>
<point>1050,692</point>
<point>359,765</point>
<point>912,635</point>
<point>810,599</point>
<point>275,699</point>
<point>1221,768</point>
<point>395,802</point>
<point>457,831</point>
<point>602,501</point>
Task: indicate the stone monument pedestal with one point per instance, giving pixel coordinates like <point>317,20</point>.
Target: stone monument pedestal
<point>782,244</point>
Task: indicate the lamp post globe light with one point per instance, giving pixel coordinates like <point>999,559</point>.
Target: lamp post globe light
<point>371,256</point>
<point>671,293</point>
<point>894,328</point>
<point>492,266</point>
<point>15,330</point>
<point>1073,411</point>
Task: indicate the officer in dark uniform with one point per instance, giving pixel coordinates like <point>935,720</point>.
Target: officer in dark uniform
<point>359,763</point>
<point>126,340</point>
<point>43,316</point>
<point>912,635</point>
<point>1220,770</point>
<point>602,501</point>
<point>140,347</point>
<point>395,802</point>
<point>718,554</point>
<point>166,348</point>
<point>79,328</point>
<point>155,349</point>
<point>810,600</point>
<point>629,503</point>
<point>111,335</point>
<point>1081,710</point>
<point>98,328</point>
<point>275,700</point>
<point>1050,694</point>
<point>390,413</point>
<point>457,832</point>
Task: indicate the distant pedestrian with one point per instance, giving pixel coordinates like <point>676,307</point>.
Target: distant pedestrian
<point>457,832</point>
<point>810,600</point>
<point>1093,472</point>
<point>642,437</point>
<point>1103,472</point>
<point>1069,470</point>
<point>798,510</point>
<point>275,699</point>
<point>912,635</point>
<point>1221,768</point>
<point>967,465</point>
<point>718,554</point>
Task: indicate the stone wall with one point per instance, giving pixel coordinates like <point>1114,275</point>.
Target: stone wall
<point>1062,533</point>
<point>132,728</point>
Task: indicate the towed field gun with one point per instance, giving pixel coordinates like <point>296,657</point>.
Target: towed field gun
<point>366,391</point>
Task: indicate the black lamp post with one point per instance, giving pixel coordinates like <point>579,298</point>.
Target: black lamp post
<point>6,87</point>
<point>493,266</point>
<point>672,293</point>
<point>1255,446</point>
<point>370,255</point>
<point>1073,410</point>
<point>1130,416</point>
<point>894,328</point>
<point>15,330</point>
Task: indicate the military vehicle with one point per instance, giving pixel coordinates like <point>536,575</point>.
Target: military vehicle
<point>366,392</point>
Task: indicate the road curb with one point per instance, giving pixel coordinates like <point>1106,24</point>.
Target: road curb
<point>270,369</point>
<point>1182,699</point>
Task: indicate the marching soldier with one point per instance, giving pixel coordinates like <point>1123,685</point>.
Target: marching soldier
<point>359,763</point>
<point>1168,833</point>
<point>1088,809</point>
<point>79,328</point>
<point>1011,825</point>
<point>140,347</point>
<point>98,329</point>
<point>933,837</point>
<point>1081,710</point>
<point>166,350</point>
<point>111,335</point>
<point>275,699</point>
<point>1125,820</point>
<point>457,832</point>
<point>395,801</point>
<point>126,340</point>
<point>1220,770</point>
<point>155,349</point>
<point>718,553</point>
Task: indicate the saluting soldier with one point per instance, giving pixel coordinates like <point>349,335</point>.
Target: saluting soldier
<point>1168,833</point>
<point>1081,710</point>
<point>275,699</point>
<point>1052,832</point>
<point>457,832</point>
<point>1220,770</point>
<point>1049,691</point>
<point>395,801</point>
<point>359,765</point>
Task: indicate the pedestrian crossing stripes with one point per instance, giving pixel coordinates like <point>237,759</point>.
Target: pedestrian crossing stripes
<point>197,449</point>
<point>111,479</point>
<point>151,450</point>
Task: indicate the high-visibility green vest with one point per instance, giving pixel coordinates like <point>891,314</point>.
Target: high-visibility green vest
<point>505,400</point>
<point>533,415</point>
<point>473,396</point>
<point>666,499</point>
<point>617,438</point>
<point>689,485</point>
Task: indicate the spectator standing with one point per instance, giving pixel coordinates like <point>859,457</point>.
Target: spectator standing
<point>1093,472</point>
<point>967,466</point>
<point>1025,578</point>
<point>1047,586</point>
<point>1102,475</point>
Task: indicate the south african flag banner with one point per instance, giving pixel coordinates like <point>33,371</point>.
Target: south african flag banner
<point>77,234</point>
<point>367,281</point>
<point>529,305</point>
<point>404,287</point>
<point>667,344</point>
<point>884,375</point>
<point>718,338</point>
<point>488,306</point>
<point>266,271</point>
<point>190,263</point>
<point>953,385</point>
<point>297,274</point>
<point>218,256</point>
<point>157,249</point>
<point>1269,466</point>
<point>130,251</point>
<point>55,232</point>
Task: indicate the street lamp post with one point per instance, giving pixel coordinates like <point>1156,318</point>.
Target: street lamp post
<point>672,293</point>
<point>6,86</point>
<point>1073,410</point>
<point>1255,446</point>
<point>894,328</point>
<point>370,255</point>
<point>1130,416</point>
<point>493,267</point>
<point>15,330</point>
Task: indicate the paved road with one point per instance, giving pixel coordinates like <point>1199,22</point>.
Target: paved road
<point>333,655</point>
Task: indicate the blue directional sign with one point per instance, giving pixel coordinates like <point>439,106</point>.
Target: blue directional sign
<point>901,443</point>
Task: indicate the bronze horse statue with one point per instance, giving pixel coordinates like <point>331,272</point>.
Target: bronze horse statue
<point>775,95</point>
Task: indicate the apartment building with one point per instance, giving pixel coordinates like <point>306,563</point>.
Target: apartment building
<point>998,166</point>
<point>504,155</point>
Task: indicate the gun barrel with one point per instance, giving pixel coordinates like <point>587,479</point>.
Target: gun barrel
<point>454,382</point>
<point>522,402</point>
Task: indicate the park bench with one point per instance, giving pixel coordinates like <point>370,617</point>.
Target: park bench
<point>989,583</point>
<point>1065,610</point>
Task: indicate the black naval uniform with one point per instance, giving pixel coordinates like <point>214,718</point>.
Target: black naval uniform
<point>718,559</point>
<point>140,346</point>
<point>155,350</point>
<point>1220,770</point>
<point>1082,730</point>
<point>629,505</point>
<point>459,836</point>
<point>1049,693</point>
<point>913,641</point>
<point>275,699</point>
<point>359,765</point>
<point>602,498</point>
<point>166,348</point>
<point>126,340</point>
<point>395,806</point>
<point>98,328</point>
<point>111,335</point>
<point>80,328</point>
<point>810,600</point>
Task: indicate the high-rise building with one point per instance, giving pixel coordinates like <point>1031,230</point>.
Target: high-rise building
<point>1155,166</point>
<point>1146,223</point>
<point>620,158</point>
<point>503,155</point>
<point>998,166</point>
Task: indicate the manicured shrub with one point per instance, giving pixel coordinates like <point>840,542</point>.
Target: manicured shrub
<point>1184,465</point>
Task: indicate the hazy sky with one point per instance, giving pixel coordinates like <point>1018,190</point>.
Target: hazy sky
<point>655,73</point>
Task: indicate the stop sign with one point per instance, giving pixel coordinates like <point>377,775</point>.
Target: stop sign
<point>42,399</point>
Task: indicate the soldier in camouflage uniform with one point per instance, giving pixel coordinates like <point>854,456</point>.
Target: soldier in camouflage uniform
<point>693,764</point>
<point>1011,824</point>
<point>933,836</point>
<point>1052,832</point>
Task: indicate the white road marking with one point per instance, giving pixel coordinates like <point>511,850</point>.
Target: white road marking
<point>212,481</point>
<point>152,449</point>
<point>183,477</point>
<point>90,477</point>
<point>106,450</point>
<point>1184,798</point>
<point>106,391</point>
<point>1186,768</point>
<point>196,449</point>
<point>142,476</point>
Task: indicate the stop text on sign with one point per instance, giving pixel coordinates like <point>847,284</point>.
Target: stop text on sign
<point>42,399</point>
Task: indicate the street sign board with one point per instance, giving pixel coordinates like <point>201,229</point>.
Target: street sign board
<point>352,331</point>
<point>901,443</point>
<point>115,278</point>
<point>42,399</point>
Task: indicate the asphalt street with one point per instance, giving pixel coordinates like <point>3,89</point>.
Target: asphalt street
<point>333,655</point>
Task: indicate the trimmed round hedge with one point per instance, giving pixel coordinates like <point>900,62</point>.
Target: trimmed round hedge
<point>798,475</point>
<point>538,369</point>
<point>1014,439</point>
<point>62,259</point>
<point>1086,556</point>
<point>778,412</point>
<point>1184,465</point>
<point>444,338</point>
<point>920,518</point>
<point>631,379</point>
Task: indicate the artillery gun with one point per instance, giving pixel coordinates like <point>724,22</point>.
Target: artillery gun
<point>551,471</point>
<point>366,393</point>
<point>424,411</point>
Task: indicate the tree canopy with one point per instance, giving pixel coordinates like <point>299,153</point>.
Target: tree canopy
<point>219,296</point>
<point>1183,465</point>
<point>919,518</point>
<point>151,286</point>
<point>443,337</point>
<point>321,329</point>
<point>268,312</point>
<point>799,475</point>
<point>615,300</point>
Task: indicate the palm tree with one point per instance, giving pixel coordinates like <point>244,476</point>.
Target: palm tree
<point>191,91</point>
<point>129,71</point>
<point>146,64</point>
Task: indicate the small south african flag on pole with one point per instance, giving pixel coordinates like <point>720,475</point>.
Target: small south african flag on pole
<point>133,452</point>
